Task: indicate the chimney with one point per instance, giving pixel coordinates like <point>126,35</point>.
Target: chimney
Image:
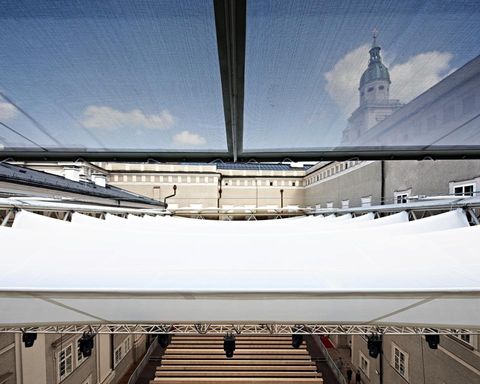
<point>99,179</point>
<point>72,173</point>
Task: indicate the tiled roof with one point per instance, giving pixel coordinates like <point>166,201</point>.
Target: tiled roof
<point>27,176</point>
<point>260,167</point>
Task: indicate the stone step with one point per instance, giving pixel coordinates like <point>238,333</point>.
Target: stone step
<point>237,357</point>
<point>238,351</point>
<point>238,380</point>
<point>234,368</point>
<point>253,373</point>
<point>230,362</point>
<point>238,346</point>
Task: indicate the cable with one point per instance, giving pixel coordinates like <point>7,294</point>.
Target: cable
<point>29,117</point>
<point>23,136</point>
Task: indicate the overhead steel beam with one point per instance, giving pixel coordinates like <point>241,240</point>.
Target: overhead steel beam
<point>72,154</point>
<point>241,329</point>
<point>336,154</point>
<point>363,153</point>
<point>230,21</point>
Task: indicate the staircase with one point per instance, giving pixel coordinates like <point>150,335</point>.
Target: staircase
<point>257,359</point>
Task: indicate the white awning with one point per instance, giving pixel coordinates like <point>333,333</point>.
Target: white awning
<point>311,270</point>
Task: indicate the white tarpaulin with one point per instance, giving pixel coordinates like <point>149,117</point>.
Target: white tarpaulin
<point>309,270</point>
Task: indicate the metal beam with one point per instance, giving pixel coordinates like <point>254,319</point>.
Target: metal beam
<point>236,153</point>
<point>72,154</point>
<point>241,329</point>
<point>230,21</point>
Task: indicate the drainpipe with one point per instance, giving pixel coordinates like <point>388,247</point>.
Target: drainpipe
<point>169,196</point>
<point>219,196</point>
<point>381,356</point>
<point>382,181</point>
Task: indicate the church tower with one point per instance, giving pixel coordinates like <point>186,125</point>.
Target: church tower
<point>375,103</point>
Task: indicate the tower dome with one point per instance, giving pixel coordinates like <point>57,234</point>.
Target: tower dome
<point>375,81</point>
<point>376,69</point>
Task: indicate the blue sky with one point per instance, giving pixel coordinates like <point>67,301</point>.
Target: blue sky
<point>144,74</point>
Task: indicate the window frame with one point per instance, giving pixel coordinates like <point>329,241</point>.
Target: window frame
<point>366,201</point>
<point>403,195</point>
<point>59,361</point>
<point>453,185</point>
<point>406,357</point>
<point>364,359</point>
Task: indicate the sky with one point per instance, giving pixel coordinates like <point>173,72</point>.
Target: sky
<point>144,74</point>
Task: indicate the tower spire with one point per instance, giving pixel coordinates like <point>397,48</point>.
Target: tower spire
<point>374,35</point>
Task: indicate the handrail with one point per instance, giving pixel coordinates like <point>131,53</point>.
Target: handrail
<point>141,366</point>
<point>337,373</point>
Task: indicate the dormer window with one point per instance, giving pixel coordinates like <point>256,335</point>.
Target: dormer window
<point>381,87</point>
<point>370,89</point>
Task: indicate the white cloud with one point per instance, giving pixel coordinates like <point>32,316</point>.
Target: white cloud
<point>343,79</point>
<point>186,138</point>
<point>419,73</point>
<point>7,111</point>
<point>101,117</point>
<point>409,79</point>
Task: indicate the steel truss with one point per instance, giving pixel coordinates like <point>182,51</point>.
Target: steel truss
<point>239,329</point>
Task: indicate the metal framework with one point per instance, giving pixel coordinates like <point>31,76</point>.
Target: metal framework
<point>240,329</point>
<point>417,210</point>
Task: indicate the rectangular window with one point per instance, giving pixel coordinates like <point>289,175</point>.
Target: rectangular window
<point>118,355</point>
<point>401,197</point>
<point>366,201</point>
<point>330,205</point>
<point>467,338</point>
<point>464,190</point>
<point>364,364</point>
<point>80,358</point>
<point>345,204</point>
<point>400,361</point>
<point>65,362</point>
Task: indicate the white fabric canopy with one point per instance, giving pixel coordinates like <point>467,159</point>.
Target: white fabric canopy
<point>312,270</point>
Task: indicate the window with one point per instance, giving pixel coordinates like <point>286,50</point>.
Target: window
<point>464,190</point>
<point>330,205</point>
<point>381,87</point>
<point>80,357</point>
<point>118,355</point>
<point>401,197</point>
<point>345,204</point>
<point>366,201</point>
<point>364,364</point>
<point>122,350</point>
<point>370,89</point>
<point>400,361</point>
<point>271,183</point>
<point>293,184</point>
<point>65,362</point>
<point>467,338</point>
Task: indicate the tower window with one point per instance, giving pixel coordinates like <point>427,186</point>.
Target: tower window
<point>381,87</point>
<point>370,89</point>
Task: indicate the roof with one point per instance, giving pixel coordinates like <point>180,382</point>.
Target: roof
<point>376,70</point>
<point>261,167</point>
<point>27,176</point>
